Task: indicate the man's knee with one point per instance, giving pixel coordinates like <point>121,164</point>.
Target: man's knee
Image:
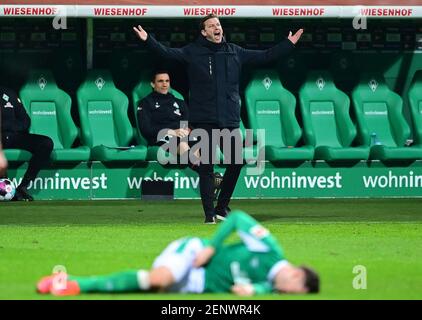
<point>46,145</point>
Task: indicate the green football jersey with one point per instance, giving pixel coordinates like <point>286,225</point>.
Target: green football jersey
<point>254,260</point>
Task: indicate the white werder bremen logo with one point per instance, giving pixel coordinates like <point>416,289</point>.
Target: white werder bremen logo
<point>373,84</point>
<point>99,83</point>
<point>320,83</point>
<point>267,82</point>
<point>42,82</point>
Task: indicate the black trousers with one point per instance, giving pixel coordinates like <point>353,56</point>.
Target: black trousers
<point>233,157</point>
<point>40,146</point>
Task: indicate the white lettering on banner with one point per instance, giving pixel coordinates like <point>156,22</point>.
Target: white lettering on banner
<point>100,111</point>
<point>293,182</point>
<point>198,11</point>
<point>393,181</point>
<point>66,183</point>
<point>179,182</point>
<point>384,12</point>
<point>268,112</point>
<point>44,113</point>
<point>298,12</point>
<point>322,112</point>
<point>101,11</point>
<point>30,11</point>
<point>376,113</point>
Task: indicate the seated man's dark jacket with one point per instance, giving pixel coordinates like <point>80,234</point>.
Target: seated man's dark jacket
<point>160,111</point>
<point>14,118</point>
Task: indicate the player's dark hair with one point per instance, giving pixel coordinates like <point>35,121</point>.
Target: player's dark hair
<point>311,279</point>
<point>207,17</point>
<point>158,71</point>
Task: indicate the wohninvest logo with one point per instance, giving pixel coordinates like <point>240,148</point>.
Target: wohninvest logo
<point>393,181</point>
<point>181,182</point>
<point>59,182</point>
<point>269,180</point>
<point>293,181</point>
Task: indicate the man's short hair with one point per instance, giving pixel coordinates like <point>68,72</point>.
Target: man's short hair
<point>158,71</point>
<point>311,279</point>
<point>207,17</point>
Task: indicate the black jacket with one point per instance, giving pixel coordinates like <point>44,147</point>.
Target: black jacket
<point>214,74</point>
<point>13,115</point>
<point>160,111</point>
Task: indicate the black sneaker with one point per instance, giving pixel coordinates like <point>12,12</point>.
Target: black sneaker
<point>221,214</point>
<point>22,195</point>
<point>210,220</point>
<point>218,179</point>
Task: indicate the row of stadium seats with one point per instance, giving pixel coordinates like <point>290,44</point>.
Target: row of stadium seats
<point>328,132</point>
<point>381,131</point>
<point>105,133</point>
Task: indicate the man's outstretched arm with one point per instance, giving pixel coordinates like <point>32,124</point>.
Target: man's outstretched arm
<point>3,162</point>
<point>280,50</point>
<point>177,54</point>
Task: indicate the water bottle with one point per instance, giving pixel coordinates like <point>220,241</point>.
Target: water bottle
<point>373,139</point>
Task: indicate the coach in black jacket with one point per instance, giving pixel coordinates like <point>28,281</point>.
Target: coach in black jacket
<point>214,68</point>
<point>15,124</point>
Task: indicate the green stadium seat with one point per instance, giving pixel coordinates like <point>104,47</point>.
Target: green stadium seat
<point>271,107</point>
<point>17,155</point>
<point>326,120</point>
<point>380,120</point>
<point>49,109</point>
<point>415,104</point>
<point>105,126</point>
<point>141,90</point>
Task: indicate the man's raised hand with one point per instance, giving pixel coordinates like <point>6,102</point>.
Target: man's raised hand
<point>295,38</point>
<point>3,163</point>
<point>141,33</point>
<point>243,289</point>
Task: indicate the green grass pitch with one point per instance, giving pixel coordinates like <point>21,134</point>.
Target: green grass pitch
<point>98,237</point>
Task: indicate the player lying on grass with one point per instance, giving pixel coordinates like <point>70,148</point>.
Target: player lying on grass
<point>254,265</point>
